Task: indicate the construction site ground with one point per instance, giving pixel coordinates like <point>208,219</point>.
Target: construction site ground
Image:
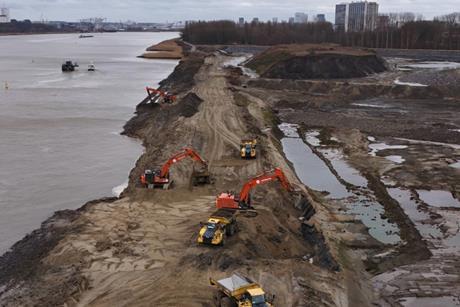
<point>141,249</point>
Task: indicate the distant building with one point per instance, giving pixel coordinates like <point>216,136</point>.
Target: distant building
<point>4,15</point>
<point>275,20</point>
<point>383,22</point>
<point>341,16</point>
<point>291,19</point>
<point>320,18</point>
<point>255,20</point>
<point>300,17</point>
<point>356,16</point>
<point>241,21</point>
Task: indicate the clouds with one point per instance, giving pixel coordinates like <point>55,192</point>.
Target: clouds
<point>170,10</point>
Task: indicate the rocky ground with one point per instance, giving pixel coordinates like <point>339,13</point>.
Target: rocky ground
<point>141,249</point>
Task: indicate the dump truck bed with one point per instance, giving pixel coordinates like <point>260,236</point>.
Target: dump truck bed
<point>233,283</point>
<point>224,213</point>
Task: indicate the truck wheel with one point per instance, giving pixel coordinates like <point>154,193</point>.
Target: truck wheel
<point>227,302</point>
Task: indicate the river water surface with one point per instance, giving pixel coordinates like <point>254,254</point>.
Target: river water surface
<point>59,133</point>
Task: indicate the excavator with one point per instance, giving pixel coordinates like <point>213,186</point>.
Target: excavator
<point>158,96</point>
<point>243,200</point>
<point>160,177</point>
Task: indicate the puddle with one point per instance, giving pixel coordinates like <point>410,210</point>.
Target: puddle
<point>289,130</point>
<point>371,138</point>
<point>370,213</point>
<point>397,82</point>
<point>434,65</point>
<point>455,165</point>
<point>396,159</point>
<point>238,62</point>
<point>312,138</point>
<point>441,301</point>
<point>345,171</point>
<point>438,198</point>
<point>376,147</point>
<point>312,171</point>
<point>369,105</point>
<point>417,216</point>
<point>411,141</point>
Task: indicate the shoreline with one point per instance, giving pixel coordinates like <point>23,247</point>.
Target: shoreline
<point>58,213</point>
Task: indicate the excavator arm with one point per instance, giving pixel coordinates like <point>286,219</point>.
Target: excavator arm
<point>276,174</point>
<point>187,152</point>
<point>152,92</point>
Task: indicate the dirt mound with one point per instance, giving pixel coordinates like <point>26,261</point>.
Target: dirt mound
<point>316,62</point>
<point>190,104</point>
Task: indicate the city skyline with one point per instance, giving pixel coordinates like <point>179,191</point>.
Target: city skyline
<point>146,11</point>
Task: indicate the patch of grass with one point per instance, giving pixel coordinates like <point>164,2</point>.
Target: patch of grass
<point>264,61</point>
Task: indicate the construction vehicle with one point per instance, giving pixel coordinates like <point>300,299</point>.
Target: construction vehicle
<point>240,291</point>
<point>243,200</point>
<point>160,177</point>
<point>68,66</point>
<point>248,149</point>
<point>157,96</point>
<point>219,226</point>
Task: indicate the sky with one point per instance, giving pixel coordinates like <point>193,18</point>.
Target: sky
<point>177,10</point>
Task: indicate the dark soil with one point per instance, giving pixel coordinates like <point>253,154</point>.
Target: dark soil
<point>326,66</point>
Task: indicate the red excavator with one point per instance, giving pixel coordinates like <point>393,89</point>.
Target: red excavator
<point>243,201</point>
<point>160,177</point>
<point>159,96</point>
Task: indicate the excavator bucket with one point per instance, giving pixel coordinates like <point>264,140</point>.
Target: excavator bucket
<point>201,177</point>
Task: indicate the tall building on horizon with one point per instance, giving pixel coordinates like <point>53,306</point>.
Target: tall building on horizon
<point>4,15</point>
<point>241,21</point>
<point>300,17</point>
<point>320,18</point>
<point>356,16</point>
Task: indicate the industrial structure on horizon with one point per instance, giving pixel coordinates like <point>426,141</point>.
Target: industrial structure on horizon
<point>4,15</point>
<point>356,16</point>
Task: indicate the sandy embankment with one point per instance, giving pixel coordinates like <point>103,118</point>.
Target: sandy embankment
<point>169,49</point>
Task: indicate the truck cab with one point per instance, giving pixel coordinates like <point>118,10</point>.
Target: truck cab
<point>248,149</point>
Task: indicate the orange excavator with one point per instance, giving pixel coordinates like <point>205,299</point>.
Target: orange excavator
<point>159,96</point>
<point>160,177</point>
<point>243,201</point>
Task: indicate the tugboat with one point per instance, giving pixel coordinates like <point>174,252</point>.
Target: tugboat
<point>68,66</point>
<point>91,67</point>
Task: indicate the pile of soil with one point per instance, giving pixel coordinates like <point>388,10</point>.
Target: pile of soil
<point>316,62</point>
<point>169,49</point>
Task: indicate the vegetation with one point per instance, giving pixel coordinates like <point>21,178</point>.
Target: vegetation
<point>402,31</point>
<point>26,26</point>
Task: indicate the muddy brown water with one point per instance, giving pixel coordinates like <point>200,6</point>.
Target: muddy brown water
<point>59,133</point>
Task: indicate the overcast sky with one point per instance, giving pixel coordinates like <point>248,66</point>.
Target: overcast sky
<point>175,10</point>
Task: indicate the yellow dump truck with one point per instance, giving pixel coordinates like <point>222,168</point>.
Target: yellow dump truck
<point>220,224</point>
<point>248,149</point>
<point>240,291</point>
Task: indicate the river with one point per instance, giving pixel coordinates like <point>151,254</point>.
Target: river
<point>59,132</point>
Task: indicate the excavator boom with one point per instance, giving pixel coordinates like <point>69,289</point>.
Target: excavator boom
<point>228,200</point>
<point>187,152</point>
<point>154,93</point>
<point>277,174</point>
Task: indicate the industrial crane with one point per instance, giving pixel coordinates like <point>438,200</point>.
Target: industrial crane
<point>160,178</point>
<point>243,201</point>
<point>154,95</point>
